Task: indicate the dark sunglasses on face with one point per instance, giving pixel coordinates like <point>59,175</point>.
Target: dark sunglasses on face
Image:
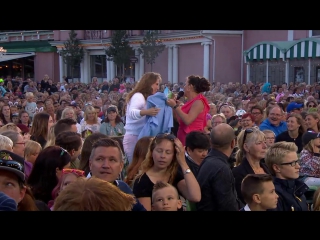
<point>292,164</point>
<point>11,164</point>
<point>311,106</point>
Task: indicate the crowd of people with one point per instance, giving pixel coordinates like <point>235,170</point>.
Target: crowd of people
<point>154,146</point>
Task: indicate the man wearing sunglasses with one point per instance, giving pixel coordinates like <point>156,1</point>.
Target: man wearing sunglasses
<point>215,177</point>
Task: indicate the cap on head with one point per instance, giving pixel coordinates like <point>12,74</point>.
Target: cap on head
<point>293,105</point>
<point>308,136</point>
<point>12,162</point>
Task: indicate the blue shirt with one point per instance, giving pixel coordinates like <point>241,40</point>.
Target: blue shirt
<point>162,122</point>
<point>266,125</point>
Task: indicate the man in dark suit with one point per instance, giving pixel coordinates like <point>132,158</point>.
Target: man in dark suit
<point>215,177</point>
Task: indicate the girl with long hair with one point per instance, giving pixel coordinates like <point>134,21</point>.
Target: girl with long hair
<point>136,111</point>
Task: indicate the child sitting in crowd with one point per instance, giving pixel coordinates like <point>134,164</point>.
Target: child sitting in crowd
<point>258,191</point>
<point>165,197</point>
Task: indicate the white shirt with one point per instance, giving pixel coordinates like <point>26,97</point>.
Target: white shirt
<point>246,208</point>
<point>134,121</point>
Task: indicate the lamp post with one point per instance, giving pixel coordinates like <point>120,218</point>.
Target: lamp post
<point>2,51</point>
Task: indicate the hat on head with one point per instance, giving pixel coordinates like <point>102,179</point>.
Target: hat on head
<point>1,80</point>
<point>240,112</point>
<point>23,128</point>
<point>73,104</point>
<point>112,108</point>
<point>293,105</point>
<point>308,136</point>
<point>12,162</point>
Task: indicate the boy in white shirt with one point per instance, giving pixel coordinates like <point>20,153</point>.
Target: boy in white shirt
<point>258,192</point>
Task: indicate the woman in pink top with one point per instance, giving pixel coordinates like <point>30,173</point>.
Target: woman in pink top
<point>192,115</point>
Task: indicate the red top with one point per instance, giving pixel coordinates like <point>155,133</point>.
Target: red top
<point>198,124</point>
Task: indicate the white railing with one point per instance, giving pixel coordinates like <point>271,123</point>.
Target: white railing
<point>26,35</point>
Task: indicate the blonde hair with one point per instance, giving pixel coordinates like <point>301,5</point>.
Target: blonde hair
<point>29,94</point>
<point>256,135</point>
<point>148,162</point>
<point>221,115</point>
<point>93,194</point>
<point>269,131</point>
<point>51,140</point>
<point>232,109</point>
<point>68,109</point>
<point>277,152</point>
<point>31,148</point>
<point>316,200</point>
<point>90,109</point>
<point>9,127</point>
<point>5,143</point>
<point>315,116</point>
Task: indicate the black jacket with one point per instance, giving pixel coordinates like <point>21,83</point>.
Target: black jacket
<point>243,170</point>
<point>217,184</point>
<point>291,195</point>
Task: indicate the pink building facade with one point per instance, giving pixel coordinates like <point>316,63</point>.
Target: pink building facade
<point>223,56</point>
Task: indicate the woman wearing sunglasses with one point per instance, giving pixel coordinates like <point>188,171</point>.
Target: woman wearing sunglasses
<point>310,159</point>
<point>47,170</point>
<point>68,176</point>
<point>283,163</point>
<point>165,155</point>
<point>252,148</point>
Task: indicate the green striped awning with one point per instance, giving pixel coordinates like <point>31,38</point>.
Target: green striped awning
<point>305,48</point>
<point>264,51</point>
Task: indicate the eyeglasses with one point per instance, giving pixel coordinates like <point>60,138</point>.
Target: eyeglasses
<point>11,164</point>
<point>63,151</point>
<point>292,164</point>
<point>168,136</point>
<point>80,173</point>
<point>248,130</point>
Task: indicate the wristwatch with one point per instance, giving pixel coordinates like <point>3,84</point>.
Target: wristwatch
<point>187,171</point>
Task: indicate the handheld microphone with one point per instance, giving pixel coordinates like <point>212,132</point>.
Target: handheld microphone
<point>180,95</point>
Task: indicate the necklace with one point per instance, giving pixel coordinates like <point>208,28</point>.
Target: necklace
<point>294,138</point>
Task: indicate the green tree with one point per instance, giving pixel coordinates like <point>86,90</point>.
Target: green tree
<point>119,51</point>
<point>72,52</point>
<point>151,47</point>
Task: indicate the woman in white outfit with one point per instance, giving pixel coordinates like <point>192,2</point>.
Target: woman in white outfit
<point>136,111</point>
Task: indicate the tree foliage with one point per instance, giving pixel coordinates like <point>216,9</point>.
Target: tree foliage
<point>119,51</point>
<point>151,46</point>
<point>72,52</point>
